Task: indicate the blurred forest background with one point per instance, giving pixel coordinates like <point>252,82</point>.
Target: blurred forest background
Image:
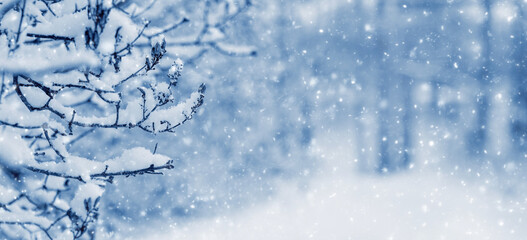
<point>374,89</point>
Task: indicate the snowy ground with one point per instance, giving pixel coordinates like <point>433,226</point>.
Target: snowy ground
<point>339,205</point>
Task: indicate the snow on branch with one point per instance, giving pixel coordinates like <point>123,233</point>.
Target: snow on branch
<point>52,62</point>
<point>132,162</point>
<point>69,69</point>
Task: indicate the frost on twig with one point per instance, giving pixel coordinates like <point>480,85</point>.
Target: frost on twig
<point>69,68</point>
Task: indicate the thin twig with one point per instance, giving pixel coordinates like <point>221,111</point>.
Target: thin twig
<point>131,44</point>
<point>149,170</point>
<point>17,125</point>
<point>2,87</point>
<point>52,36</point>
<point>22,224</point>
<point>20,23</point>
<point>145,9</point>
<point>82,135</point>
<point>51,144</point>
<point>173,27</point>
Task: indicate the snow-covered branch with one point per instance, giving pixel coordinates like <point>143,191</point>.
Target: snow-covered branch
<point>69,69</point>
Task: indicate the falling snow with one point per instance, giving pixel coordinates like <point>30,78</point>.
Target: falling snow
<point>329,119</point>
